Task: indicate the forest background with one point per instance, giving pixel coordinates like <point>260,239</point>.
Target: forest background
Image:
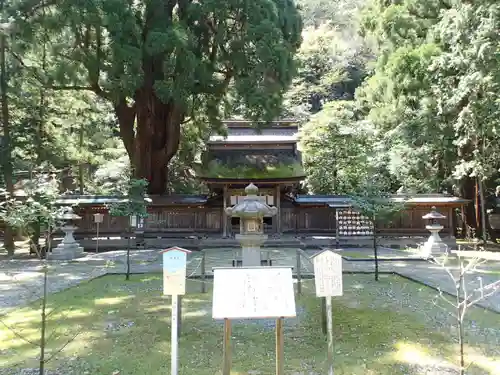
<point>402,92</point>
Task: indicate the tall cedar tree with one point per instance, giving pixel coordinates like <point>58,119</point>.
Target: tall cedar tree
<point>163,63</point>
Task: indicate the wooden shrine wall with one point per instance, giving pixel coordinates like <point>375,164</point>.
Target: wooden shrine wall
<point>206,220</point>
<point>159,220</point>
<point>308,219</point>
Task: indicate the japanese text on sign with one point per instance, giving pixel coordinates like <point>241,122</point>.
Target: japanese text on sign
<point>328,274</point>
<point>253,293</point>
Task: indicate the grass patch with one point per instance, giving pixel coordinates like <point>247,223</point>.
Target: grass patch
<point>380,328</point>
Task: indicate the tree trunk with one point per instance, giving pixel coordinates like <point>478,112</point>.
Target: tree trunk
<point>468,191</point>
<point>375,249</point>
<point>482,211</point>
<point>81,185</point>
<point>6,157</point>
<point>155,139</point>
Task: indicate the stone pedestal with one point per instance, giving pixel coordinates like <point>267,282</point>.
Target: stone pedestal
<point>68,249</point>
<point>250,248</point>
<point>434,245</point>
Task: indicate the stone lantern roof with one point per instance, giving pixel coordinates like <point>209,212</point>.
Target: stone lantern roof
<point>69,215</point>
<point>433,215</point>
<point>251,206</point>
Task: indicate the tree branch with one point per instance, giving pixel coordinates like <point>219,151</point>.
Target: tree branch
<point>64,346</point>
<point>70,88</point>
<point>93,87</point>
<point>441,295</point>
<point>495,286</point>
<point>443,308</point>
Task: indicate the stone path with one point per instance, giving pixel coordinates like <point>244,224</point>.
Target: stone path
<point>20,280</point>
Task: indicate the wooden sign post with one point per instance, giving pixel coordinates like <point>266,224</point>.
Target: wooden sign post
<point>174,284</point>
<point>328,282</point>
<point>253,293</point>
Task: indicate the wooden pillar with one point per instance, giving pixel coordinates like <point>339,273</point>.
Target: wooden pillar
<point>275,218</point>
<point>296,221</point>
<point>224,215</point>
<point>451,229</point>
<point>278,206</point>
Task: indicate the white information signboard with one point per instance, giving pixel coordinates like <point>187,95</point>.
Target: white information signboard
<point>174,271</point>
<point>328,274</point>
<point>253,292</point>
<point>174,284</point>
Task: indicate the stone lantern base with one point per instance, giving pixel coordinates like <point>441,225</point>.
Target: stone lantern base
<point>434,245</point>
<point>68,249</point>
<point>250,248</point>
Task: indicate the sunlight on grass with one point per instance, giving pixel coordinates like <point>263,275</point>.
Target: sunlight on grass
<point>155,309</point>
<point>414,354</point>
<point>197,313</point>
<point>125,326</point>
<point>488,364</point>
<point>112,300</point>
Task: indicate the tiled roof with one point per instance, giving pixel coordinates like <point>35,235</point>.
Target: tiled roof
<point>345,201</point>
<point>104,200</point>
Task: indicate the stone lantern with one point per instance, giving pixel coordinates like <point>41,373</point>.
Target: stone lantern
<point>251,212</point>
<point>68,249</point>
<point>434,245</point>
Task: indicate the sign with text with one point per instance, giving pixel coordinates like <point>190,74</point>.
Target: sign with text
<point>174,271</point>
<point>328,274</point>
<point>253,293</point>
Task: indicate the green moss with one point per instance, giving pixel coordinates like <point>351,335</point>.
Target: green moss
<point>218,170</point>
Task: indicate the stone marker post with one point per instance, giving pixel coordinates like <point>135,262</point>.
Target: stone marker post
<point>251,212</point>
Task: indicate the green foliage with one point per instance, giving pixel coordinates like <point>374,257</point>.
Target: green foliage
<point>332,60</point>
<point>112,177</point>
<point>372,201</point>
<point>136,202</point>
<point>52,128</point>
<point>337,147</point>
<point>184,57</point>
<point>340,13</point>
<point>36,212</point>
<point>427,92</point>
<point>281,170</point>
<point>430,104</point>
